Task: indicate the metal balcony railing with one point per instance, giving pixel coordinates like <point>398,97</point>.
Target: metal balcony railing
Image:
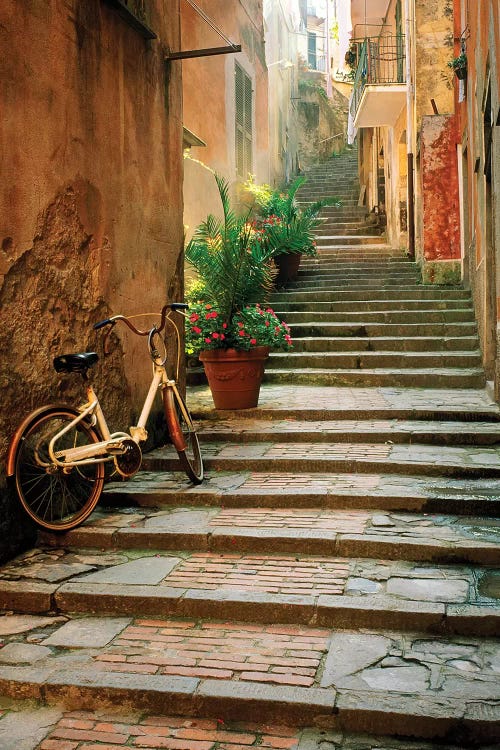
<point>380,61</point>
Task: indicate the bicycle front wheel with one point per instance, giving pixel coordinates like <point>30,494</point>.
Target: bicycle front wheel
<point>183,434</point>
<point>56,498</point>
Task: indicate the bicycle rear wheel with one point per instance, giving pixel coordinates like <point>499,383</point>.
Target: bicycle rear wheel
<point>56,498</point>
<point>183,434</point>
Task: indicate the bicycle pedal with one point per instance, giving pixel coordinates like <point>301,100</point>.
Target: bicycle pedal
<point>128,462</point>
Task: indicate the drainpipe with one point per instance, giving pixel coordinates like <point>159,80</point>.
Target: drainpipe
<point>409,129</point>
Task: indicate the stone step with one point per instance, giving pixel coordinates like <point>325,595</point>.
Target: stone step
<point>423,378</point>
<point>356,268</point>
<point>332,229</point>
<point>334,491</point>
<point>258,587</point>
<point>332,284</point>
<point>365,317</point>
<point>352,431</point>
<point>24,723</point>
<point>260,674</point>
<point>373,305</point>
<point>305,531</point>
<point>383,330</point>
<point>339,239</point>
<point>417,292</point>
<point>272,455</point>
<point>319,403</point>
<point>372,360</point>
<point>385,343</point>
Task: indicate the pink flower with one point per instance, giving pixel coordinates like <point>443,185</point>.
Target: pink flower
<point>208,341</point>
<point>215,335</point>
<point>222,336</point>
<point>267,323</point>
<point>253,341</point>
<point>241,333</point>
<point>224,325</point>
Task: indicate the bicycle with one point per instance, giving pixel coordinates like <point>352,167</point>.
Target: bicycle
<point>59,453</point>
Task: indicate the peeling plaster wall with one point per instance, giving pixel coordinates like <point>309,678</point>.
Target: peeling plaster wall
<point>90,201</point>
<point>319,119</point>
<point>439,175</point>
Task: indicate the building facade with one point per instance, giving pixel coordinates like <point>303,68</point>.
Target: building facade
<point>429,141</point>
<point>91,197</point>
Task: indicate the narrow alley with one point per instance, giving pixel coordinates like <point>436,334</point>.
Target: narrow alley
<point>334,580</point>
<point>311,187</point>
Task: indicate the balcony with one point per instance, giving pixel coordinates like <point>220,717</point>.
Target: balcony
<point>379,92</point>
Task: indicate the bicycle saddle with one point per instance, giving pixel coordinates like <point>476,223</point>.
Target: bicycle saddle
<point>75,362</point>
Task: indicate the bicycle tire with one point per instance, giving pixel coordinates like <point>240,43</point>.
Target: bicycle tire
<point>183,435</point>
<point>56,499</point>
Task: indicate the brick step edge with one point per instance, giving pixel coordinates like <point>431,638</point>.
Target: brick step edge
<point>333,611</point>
<point>443,502</point>
<point>360,711</point>
<point>227,540</point>
<point>324,465</point>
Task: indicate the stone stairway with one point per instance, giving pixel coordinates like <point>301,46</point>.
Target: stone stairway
<point>333,583</point>
<point>359,313</point>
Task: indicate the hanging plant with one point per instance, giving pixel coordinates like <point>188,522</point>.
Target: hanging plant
<point>459,65</point>
<point>351,56</point>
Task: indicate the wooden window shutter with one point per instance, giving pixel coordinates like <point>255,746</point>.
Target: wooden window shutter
<point>244,137</point>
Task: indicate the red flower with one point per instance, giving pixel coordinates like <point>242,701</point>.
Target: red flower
<point>215,335</point>
<point>253,341</point>
<point>242,333</point>
<point>208,341</point>
<point>195,329</point>
<point>224,325</point>
<point>194,317</point>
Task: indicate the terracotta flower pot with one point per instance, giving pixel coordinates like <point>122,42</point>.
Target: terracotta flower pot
<point>235,376</point>
<point>288,267</point>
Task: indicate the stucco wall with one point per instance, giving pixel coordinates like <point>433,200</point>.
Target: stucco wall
<point>91,204</point>
<point>209,96</point>
<point>481,208</point>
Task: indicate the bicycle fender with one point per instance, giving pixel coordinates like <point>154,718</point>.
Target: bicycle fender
<point>172,422</point>
<point>11,453</point>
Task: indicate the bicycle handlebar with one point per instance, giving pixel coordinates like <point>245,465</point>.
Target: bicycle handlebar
<point>174,306</point>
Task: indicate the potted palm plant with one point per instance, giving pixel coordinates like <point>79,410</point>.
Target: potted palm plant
<point>230,325</point>
<point>287,229</point>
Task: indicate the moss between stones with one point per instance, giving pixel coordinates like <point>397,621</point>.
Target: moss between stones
<point>444,273</point>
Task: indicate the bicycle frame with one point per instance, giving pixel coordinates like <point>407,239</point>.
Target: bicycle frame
<point>111,444</point>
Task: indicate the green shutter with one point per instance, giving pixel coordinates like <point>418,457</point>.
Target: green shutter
<point>244,138</point>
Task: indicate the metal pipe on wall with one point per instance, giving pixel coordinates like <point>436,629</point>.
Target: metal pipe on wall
<point>409,20</point>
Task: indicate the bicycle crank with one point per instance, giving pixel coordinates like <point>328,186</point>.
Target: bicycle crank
<point>129,461</point>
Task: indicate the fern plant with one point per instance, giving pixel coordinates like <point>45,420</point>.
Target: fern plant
<point>236,275</point>
<point>285,226</point>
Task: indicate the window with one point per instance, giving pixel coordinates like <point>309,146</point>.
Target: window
<point>311,49</point>
<point>243,94</point>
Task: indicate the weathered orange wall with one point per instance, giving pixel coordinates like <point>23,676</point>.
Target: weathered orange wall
<point>481,210</point>
<point>90,195</point>
<point>209,101</point>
